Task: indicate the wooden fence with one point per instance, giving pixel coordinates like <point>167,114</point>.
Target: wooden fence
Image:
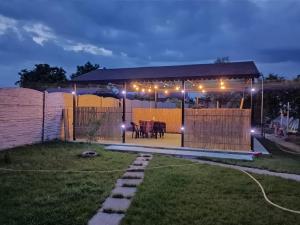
<point>225,129</point>
<point>172,117</point>
<point>98,123</point>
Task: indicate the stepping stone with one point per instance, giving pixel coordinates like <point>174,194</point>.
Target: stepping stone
<point>126,192</point>
<point>133,175</point>
<point>145,155</point>
<point>145,163</point>
<point>139,163</point>
<point>115,205</point>
<point>128,182</point>
<point>141,159</point>
<point>136,169</point>
<point>101,218</point>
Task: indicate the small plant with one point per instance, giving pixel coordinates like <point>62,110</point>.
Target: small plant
<point>93,129</point>
<point>7,159</point>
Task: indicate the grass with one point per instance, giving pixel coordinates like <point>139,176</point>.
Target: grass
<point>209,195</point>
<point>278,161</point>
<point>56,198</point>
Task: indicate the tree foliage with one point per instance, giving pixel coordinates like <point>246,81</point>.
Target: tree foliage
<point>42,77</point>
<point>222,60</point>
<point>88,67</point>
<point>274,77</point>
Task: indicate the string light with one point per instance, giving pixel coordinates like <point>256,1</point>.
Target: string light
<point>177,88</point>
<point>149,90</point>
<point>203,91</point>
<point>200,86</point>
<point>155,86</point>
<point>134,85</point>
<point>166,91</point>
<point>182,91</point>
<point>222,87</point>
<point>137,88</point>
<point>143,90</point>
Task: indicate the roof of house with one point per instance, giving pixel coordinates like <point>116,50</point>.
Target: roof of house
<point>180,72</point>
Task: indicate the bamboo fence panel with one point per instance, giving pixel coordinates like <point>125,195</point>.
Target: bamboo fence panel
<point>224,129</point>
<point>172,117</point>
<point>108,119</point>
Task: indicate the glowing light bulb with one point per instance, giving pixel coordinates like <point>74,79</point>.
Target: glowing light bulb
<point>177,88</point>
<point>182,91</point>
<point>200,86</point>
<point>137,88</point>
<point>155,86</point>
<point>222,87</point>
<point>134,85</point>
<point>143,90</point>
<point>166,91</point>
<point>203,91</point>
<point>149,90</point>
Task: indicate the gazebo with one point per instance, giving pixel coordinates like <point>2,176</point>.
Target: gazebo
<point>213,125</point>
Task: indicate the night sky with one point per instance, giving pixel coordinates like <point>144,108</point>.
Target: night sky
<point>142,33</point>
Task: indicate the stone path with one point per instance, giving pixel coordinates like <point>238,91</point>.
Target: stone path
<point>186,152</point>
<point>293,147</point>
<point>114,207</point>
<point>290,176</point>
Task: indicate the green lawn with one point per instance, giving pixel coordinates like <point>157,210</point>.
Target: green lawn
<point>278,160</point>
<point>56,198</point>
<point>209,195</point>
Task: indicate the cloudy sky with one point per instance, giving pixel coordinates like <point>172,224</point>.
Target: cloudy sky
<point>130,33</point>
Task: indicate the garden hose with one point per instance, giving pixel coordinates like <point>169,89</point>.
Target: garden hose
<point>266,197</point>
<point>151,168</point>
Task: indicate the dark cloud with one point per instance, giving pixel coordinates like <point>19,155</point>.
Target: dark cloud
<point>138,33</point>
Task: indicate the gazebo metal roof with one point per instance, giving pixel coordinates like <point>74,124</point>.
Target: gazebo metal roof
<point>230,70</point>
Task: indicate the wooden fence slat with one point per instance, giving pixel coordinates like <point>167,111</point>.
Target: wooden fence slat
<point>225,129</point>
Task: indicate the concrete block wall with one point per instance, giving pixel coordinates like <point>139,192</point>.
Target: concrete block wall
<point>21,117</point>
<point>21,114</point>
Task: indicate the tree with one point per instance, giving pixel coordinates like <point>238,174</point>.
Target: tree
<point>274,77</point>
<point>297,78</point>
<point>222,60</point>
<point>88,67</point>
<point>42,77</point>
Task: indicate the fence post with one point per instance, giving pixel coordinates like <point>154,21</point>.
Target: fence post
<point>43,122</point>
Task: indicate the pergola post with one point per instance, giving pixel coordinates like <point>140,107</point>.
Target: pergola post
<point>155,98</point>
<point>252,112</point>
<point>182,113</point>
<point>124,113</point>
<point>74,111</point>
<point>262,106</point>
